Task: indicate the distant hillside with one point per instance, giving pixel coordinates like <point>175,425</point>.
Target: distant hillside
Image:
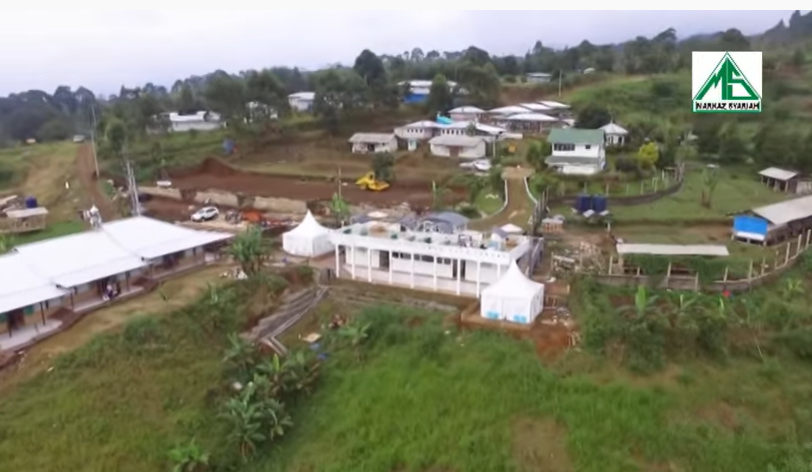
<point>799,28</point>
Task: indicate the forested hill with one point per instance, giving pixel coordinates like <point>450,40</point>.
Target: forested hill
<point>45,116</point>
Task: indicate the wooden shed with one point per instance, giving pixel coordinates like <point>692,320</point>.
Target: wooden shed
<point>24,221</point>
<point>780,180</point>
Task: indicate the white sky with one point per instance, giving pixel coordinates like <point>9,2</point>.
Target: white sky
<point>103,50</point>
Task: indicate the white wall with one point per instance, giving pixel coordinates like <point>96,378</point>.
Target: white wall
<point>300,104</point>
<point>472,152</point>
<point>363,148</point>
<point>582,150</point>
<point>419,134</point>
<point>184,126</point>
<point>614,139</point>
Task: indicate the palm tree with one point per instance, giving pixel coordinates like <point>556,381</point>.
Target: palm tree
<point>438,193</point>
<point>302,372</point>
<point>246,418</point>
<point>710,179</point>
<point>240,355</point>
<point>644,305</point>
<point>250,250</point>
<point>276,374</point>
<point>277,420</point>
<point>189,458</point>
<point>679,315</point>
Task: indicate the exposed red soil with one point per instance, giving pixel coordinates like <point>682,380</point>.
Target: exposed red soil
<point>214,174</point>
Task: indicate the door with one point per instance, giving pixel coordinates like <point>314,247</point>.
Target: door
<point>383,259</point>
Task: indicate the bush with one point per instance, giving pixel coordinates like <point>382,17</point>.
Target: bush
<point>627,164</point>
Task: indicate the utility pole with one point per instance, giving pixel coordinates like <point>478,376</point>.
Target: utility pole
<point>93,139</point>
<point>339,181</point>
<point>136,208</point>
<point>560,77</point>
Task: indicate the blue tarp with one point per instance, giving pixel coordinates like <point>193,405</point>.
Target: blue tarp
<point>443,120</point>
<point>750,224</point>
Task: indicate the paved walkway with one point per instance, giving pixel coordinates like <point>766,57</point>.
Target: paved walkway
<point>519,205</point>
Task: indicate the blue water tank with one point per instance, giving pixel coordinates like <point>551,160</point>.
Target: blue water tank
<point>583,203</point>
<point>31,202</point>
<point>228,146</point>
<point>599,203</point>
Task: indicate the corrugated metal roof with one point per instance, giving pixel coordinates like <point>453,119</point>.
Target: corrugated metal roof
<point>450,217</point>
<point>784,212</point>
<point>531,117</point>
<point>377,138</point>
<point>553,104</point>
<point>536,107</point>
<point>576,136</point>
<point>34,272</point>
<point>20,286</point>
<point>510,110</point>
<point>26,212</point>
<point>303,95</point>
<point>778,173</point>
<point>149,238</point>
<point>426,124</point>
<point>467,109</point>
<point>538,74</point>
<point>614,128</point>
<point>717,250</point>
<point>456,140</point>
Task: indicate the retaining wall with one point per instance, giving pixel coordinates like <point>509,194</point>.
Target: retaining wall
<point>171,193</point>
<point>218,198</point>
<point>278,205</point>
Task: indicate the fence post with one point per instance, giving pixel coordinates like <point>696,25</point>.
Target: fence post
<point>727,269</point>
<point>800,245</point>
<point>750,274</point>
<point>655,185</point>
<point>808,233</point>
<point>696,282</point>
<point>668,276</point>
<point>763,264</point>
<point>611,259</point>
<point>786,257</point>
<point>642,186</point>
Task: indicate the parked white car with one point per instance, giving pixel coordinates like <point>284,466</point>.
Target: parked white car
<point>482,165</point>
<point>206,214</point>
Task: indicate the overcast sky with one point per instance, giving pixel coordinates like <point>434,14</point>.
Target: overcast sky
<point>103,50</point>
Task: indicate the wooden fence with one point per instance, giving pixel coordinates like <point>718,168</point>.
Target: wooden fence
<point>760,272</point>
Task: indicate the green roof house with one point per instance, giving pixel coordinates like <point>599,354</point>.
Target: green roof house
<point>577,151</point>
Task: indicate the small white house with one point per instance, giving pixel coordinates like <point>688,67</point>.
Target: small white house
<point>308,239</point>
<point>302,101</point>
<point>414,133</point>
<point>467,113</point>
<point>364,143</point>
<point>452,145</point>
<point>200,121</point>
<point>615,134</point>
<point>538,77</point>
<point>513,298</point>
<point>464,128</point>
<point>577,151</point>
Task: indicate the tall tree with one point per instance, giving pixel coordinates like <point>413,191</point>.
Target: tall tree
<point>441,98</point>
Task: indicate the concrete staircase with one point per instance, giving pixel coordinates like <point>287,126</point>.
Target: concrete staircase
<point>355,296</point>
<point>294,306</point>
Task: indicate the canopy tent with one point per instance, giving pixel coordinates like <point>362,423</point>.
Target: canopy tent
<point>510,228</point>
<point>309,239</point>
<point>513,297</point>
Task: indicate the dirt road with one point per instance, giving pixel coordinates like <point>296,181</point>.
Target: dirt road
<point>86,173</point>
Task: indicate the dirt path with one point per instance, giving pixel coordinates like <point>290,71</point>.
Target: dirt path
<point>86,172</point>
<point>518,208</point>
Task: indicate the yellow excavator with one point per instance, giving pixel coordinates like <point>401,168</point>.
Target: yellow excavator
<point>369,182</point>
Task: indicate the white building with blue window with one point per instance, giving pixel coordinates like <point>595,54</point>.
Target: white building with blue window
<point>459,262</point>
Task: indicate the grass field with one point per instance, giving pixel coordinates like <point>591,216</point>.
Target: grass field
<point>736,192</point>
<point>424,398</point>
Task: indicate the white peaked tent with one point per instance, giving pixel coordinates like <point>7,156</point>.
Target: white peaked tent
<point>308,239</point>
<point>513,298</point>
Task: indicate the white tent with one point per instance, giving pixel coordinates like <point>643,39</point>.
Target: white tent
<point>513,297</point>
<point>510,228</point>
<point>309,239</point>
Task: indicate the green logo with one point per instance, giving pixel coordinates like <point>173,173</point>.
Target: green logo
<point>727,90</point>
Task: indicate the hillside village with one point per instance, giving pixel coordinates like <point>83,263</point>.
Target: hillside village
<point>286,271</point>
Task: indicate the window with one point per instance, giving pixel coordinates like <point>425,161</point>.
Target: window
<point>588,147</point>
<point>563,147</point>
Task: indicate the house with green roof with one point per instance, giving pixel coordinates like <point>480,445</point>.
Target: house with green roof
<point>577,151</point>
